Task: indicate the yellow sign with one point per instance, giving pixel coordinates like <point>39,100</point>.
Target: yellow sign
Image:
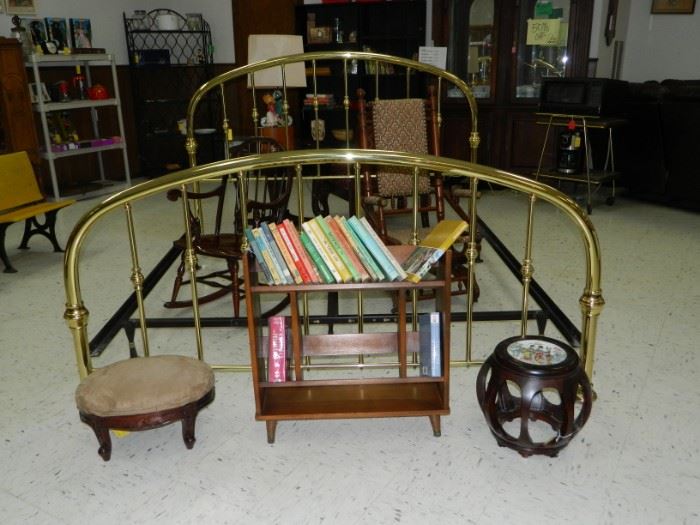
<point>543,31</point>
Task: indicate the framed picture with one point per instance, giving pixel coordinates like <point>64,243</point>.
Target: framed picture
<point>36,92</point>
<point>35,29</point>
<point>57,29</point>
<point>672,7</point>
<point>81,33</point>
<point>20,7</point>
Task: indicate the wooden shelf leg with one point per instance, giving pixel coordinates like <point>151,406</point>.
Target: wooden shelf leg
<point>271,428</point>
<point>435,423</point>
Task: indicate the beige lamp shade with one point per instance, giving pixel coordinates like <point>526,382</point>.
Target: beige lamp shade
<point>262,47</point>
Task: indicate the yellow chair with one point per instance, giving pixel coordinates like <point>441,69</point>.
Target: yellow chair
<point>22,200</point>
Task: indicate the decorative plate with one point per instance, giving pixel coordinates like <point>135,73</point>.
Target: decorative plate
<point>536,352</point>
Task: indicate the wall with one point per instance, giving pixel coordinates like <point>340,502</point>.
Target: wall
<point>655,46</point>
<point>108,26</point>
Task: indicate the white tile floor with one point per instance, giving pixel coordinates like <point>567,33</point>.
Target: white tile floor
<point>636,461</point>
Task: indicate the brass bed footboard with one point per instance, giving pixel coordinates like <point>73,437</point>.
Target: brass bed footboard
<point>76,313</point>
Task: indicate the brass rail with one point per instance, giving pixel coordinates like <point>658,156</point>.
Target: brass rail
<point>76,314</point>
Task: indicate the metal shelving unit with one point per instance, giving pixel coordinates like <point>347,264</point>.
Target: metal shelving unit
<point>170,56</point>
<point>43,108</point>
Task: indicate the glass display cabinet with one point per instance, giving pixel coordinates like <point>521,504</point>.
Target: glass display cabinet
<point>504,50</point>
<point>542,46</point>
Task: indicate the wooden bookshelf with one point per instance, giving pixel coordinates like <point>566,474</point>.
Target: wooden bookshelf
<point>398,396</point>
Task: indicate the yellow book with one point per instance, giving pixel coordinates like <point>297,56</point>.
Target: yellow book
<point>430,249</point>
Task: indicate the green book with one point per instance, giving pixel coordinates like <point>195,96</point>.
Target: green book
<point>335,244</point>
<point>360,249</point>
<point>320,265</point>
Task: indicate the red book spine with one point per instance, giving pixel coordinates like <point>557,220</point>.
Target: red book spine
<point>359,267</point>
<point>306,261</point>
<point>277,351</point>
<point>282,229</point>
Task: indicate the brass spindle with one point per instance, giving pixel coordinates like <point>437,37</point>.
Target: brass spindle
<point>472,253</point>
<point>137,277</point>
<point>191,265</point>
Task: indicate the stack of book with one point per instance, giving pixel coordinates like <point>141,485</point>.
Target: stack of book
<point>341,250</point>
<point>324,99</point>
<point>280,355</point>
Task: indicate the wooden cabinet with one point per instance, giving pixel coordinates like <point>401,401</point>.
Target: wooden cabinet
<point>310,394</point>
<point>17,130</point>
<point>507,72</point>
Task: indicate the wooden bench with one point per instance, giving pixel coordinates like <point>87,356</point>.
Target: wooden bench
<point>21,199</point>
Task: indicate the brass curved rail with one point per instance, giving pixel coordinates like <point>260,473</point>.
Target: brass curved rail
<point>76,315</point>
<point>322,56</point>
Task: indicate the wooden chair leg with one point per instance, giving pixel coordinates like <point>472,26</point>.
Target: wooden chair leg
<point>178,282</point>
<point>235,286</point>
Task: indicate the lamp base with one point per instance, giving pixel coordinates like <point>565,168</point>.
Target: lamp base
<point>284,136</point>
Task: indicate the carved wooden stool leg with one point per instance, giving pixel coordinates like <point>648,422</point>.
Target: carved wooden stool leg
<point>188,423</point>
<point>103,437</point>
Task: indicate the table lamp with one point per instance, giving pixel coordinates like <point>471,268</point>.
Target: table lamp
<point>276,122</point>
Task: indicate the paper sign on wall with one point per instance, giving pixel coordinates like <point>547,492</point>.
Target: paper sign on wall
<point>435,56</point>
<point>543,32</point>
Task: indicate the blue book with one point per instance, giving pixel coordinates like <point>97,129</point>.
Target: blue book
<point>430,344</point>
<point>373,248</point>
<point>258,255</point>
<point>276,254</point>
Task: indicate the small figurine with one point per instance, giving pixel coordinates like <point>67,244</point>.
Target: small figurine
<point>270,118</point>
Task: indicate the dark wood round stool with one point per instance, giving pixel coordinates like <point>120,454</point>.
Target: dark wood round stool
<point>535,379</point>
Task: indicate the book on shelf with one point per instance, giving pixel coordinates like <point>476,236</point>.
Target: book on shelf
<point>430,249</point>
<point>266,253</point>
<point>338,248</point>
<point>276,254</point>
<point>342,250</point>
<point>284,250</point>
<point>352,255</point>
<point>306,276</point>
<point>430,344</point>
<point>276,349</point>
<point>259,256</point>
<point>382,255</point>
<point>318,261</point>
<point>332,260</point>
<point>374,271</point>
<point>383,248</point>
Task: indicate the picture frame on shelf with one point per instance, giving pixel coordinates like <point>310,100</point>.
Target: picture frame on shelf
<point>36,29</point>
<point>20,7</point>
<point>81,33</point>
<point>672,7</point>
<point>40,91</point>
<point>57,30</point>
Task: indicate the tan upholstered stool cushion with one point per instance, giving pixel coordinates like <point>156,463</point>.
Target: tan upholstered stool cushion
<point>143,385</point>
